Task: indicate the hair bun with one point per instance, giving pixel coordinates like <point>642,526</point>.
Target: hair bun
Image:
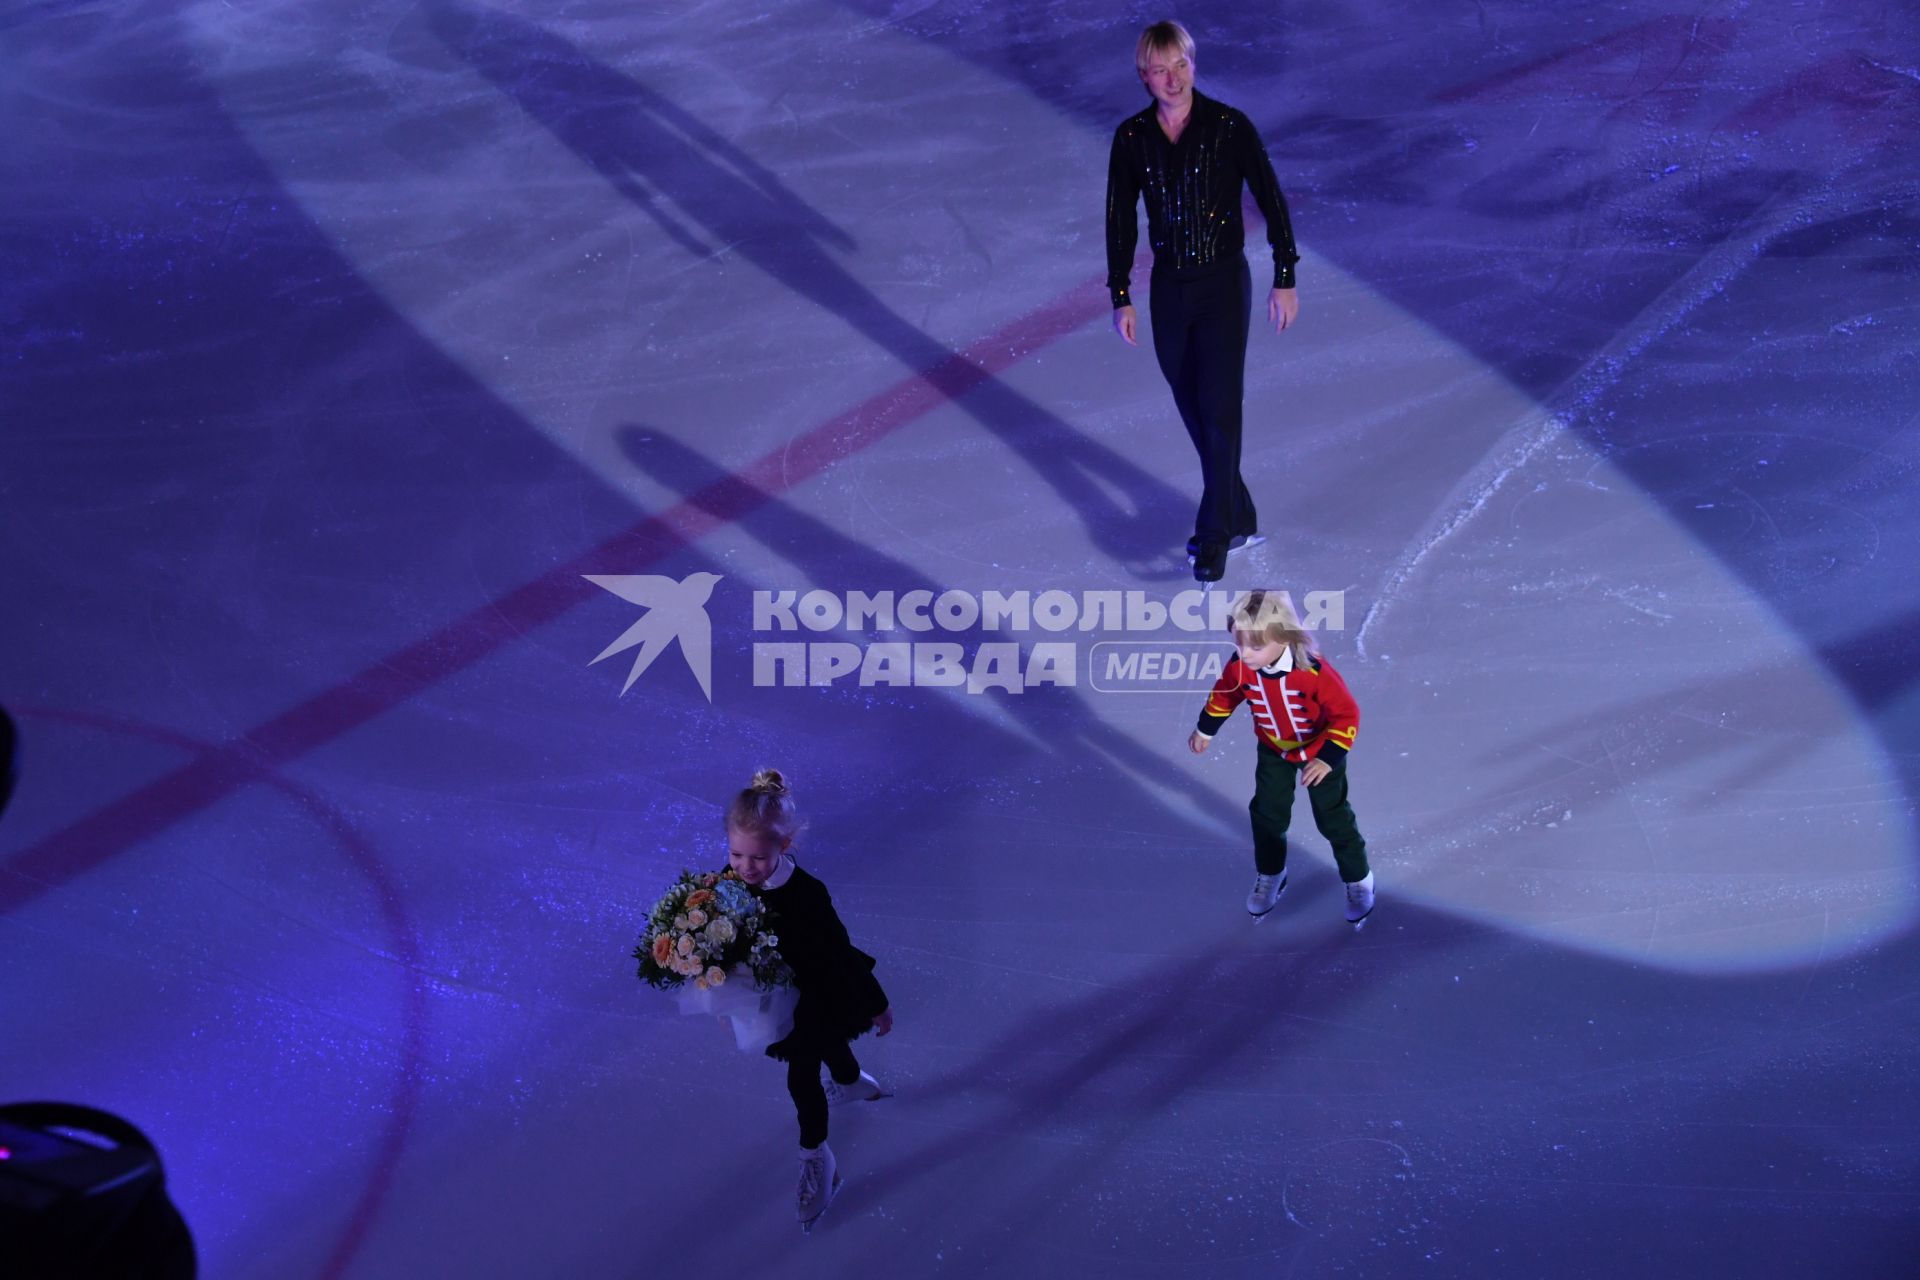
<point>765,806</point>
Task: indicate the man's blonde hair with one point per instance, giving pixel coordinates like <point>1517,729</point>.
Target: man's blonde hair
<point>1162,37</point>
<point>1269,616</point>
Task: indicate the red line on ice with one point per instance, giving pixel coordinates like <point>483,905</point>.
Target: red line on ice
<point>386,683</point>
<point>405,935</point>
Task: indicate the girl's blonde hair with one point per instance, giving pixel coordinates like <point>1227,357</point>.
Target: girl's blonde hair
<point>765,807</point>
<point>1162,37</point>
<point>1269,615</point>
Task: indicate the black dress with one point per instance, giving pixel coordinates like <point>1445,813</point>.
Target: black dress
<point>839,996</point>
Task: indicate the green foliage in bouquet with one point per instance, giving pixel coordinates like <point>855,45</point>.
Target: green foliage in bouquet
<point>708,929</point>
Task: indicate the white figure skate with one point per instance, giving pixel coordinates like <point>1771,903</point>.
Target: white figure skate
<point>819,1183</point>
<point>1360,900</point>
<point>1266,892</point>
<point>865,1089</point>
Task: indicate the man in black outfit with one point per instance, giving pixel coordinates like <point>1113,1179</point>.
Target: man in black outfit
<point>1189,156</point>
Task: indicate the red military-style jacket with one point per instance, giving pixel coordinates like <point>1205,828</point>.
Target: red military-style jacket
<point>1303,714</point>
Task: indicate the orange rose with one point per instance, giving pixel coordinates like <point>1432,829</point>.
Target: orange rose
<point>662,950</point>
<point>699,898</point>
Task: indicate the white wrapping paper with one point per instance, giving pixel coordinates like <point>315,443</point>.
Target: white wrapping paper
<point>758,1017</point>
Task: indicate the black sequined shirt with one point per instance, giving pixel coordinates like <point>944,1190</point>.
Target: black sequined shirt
<point>1193,195</point>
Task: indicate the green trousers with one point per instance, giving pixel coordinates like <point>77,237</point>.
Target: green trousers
<point>1272,809</point>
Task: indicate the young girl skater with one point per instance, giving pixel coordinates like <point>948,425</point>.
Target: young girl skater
<point>1305,720</point>
<point>839,998</point>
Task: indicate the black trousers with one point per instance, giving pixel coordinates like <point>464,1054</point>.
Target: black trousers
<point>803,1082</point>
<point>1272,809</point>
<point>1200,338</point>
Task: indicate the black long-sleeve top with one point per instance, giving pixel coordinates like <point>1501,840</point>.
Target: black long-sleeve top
<point>839,996</point>
<point>1193,195</point>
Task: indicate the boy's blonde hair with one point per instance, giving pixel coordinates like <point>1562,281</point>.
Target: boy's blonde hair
<point>1269,616</point>
<point>1162,37</point>
<point>765,807</point>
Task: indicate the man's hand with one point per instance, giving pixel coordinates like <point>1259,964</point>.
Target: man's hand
<point>1197,742</point>
<point>1314,770</point>
<point>883,1021</point>
<point>1126,323</point>
<point>1283,308</point>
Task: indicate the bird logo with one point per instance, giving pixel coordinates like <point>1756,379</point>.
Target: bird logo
<point>674,611</point>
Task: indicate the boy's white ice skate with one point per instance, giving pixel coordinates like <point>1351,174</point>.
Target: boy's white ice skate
<point>865,1089</point>
<point>1360,899</point>
<point>819,1183</point>
<point>1266,892</point>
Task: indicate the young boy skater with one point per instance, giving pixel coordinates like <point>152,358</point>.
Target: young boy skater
<point>1305,720</point>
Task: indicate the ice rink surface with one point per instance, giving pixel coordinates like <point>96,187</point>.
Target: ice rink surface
<point>341,341</point>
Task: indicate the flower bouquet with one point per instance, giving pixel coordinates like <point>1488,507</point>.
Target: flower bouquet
<point>708,943</point>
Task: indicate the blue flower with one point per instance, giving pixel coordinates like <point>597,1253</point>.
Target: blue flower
<point>734,897</point>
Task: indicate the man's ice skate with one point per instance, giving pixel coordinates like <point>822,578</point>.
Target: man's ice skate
<point>865,1089</point>
<point>1360,900</point>
<point>1210,564</point>
<point>819,1183</point>
<point>1235,545</point>
<point>1266,892</point>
